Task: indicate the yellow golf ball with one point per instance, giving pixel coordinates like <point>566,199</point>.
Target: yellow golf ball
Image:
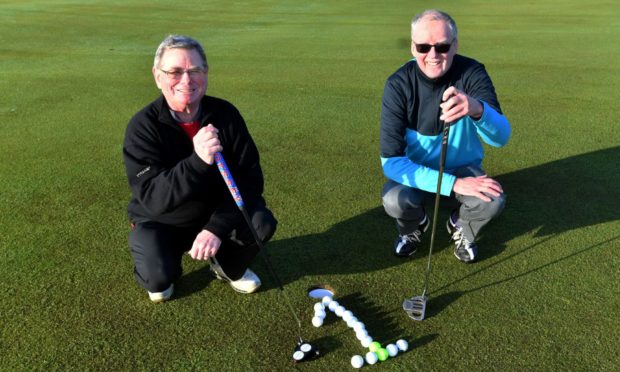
<point>374,346</point>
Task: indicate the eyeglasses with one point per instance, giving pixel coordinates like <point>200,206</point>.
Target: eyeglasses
<point>439,48</point>
<point>177,73</point>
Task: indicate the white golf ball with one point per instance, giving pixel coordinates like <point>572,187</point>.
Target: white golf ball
<point>360,332</point>
<point>317,322</point>
<point>366,341</point>
<point>319,306</point>
<point>320,314</point>
<point>305,348</point>
<point>347,315</point>
<point>402,345</point>
<point>333,305</point>
<point>351,322</point>
<point>357,361</point>
<point>359,326</point>
<point>361,335</point>
<point>326,300</point>
<point>371,358</point>
<point>339,310</point>
<point>392,350</point>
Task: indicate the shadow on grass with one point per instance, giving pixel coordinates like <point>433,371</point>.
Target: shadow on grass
<point>327,343</point>
<point>436,304</point>
<point>426,339</point>
<point>454,295</point>
<point>193,282</point>
<point>550,198</point>
<point>382,327</point>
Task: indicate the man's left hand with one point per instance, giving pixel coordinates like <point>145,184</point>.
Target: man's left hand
<point>457,104</point>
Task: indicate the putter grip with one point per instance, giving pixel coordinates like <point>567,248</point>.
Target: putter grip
<point>444,144</point>
<point>230,182</point>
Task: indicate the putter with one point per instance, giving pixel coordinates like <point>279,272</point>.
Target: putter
<point>303,350</point>
<point>415,306</point>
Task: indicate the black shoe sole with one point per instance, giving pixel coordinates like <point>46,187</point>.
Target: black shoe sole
<point>405,255</point>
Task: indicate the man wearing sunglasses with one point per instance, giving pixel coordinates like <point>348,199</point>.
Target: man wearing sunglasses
<point>438,86</point>
<point>180,202</point>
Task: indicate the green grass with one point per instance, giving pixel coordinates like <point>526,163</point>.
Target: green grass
<point>308,78</point>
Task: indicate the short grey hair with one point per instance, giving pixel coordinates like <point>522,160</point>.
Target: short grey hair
<point>436,15</point>
<point>181,42</point>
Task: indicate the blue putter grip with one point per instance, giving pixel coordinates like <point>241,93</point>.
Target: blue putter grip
<point>230,182</point>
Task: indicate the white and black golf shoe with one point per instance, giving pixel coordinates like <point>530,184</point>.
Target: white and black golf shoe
<point>406,245</point>
<point>464,250</point>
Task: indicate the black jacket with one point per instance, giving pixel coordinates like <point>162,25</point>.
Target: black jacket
<point>172,185</point>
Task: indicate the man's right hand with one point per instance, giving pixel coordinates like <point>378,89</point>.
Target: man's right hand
<point>478,187</point>
<point>205,245</point>
<point>206,143</point>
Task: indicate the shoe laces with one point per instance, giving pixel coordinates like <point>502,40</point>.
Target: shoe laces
<point>415,237</point>
<point>459,238</point>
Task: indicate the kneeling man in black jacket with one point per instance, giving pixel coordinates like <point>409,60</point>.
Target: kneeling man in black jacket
<point>180,202</point>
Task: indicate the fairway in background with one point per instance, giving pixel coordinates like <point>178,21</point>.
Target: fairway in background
<point>308,79</point>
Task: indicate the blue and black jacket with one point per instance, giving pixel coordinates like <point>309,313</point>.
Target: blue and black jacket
<point>411,131</point>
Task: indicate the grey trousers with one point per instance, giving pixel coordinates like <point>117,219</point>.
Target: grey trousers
<point>406,205</point>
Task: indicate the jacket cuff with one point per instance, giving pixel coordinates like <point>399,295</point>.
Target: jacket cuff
<point>197,163</point>
<point>447,183</point>
<point>220,231</point>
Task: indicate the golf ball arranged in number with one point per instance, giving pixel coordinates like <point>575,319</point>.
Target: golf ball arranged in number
<point>366,341</point>
<point>392,350</point>
<point>382,354</point>
<point>320,314</point>
<point>374,346</point>
<point>371,358</point>
<point>352,322</point>
<point>376,351</point>
<point>347,315</point>
<point>357,361</point>
<point>402,345</point>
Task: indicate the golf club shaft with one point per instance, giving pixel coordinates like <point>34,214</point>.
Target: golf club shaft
<point>234,191</point>
<point>442,162</point>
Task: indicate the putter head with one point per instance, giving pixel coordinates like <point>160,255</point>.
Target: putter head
<point>304,351</point>
<point>415,307</point>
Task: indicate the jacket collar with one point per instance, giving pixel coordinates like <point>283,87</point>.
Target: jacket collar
<point>165,116</point>
<point>441,81</point>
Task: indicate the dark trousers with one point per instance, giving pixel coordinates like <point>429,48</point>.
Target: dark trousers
<point>157,249</point>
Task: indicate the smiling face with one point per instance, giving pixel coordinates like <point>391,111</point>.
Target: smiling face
<point>433,32</point>
<point>184,92</point>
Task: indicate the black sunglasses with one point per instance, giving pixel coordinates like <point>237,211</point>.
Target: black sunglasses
<point>439,48</point>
